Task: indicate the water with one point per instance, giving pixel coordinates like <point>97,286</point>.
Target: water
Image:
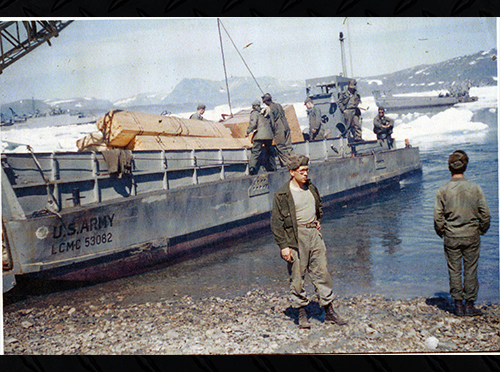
<point>384,244</point>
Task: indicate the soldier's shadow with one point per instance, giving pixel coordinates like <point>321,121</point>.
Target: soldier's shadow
<point>442,301</point>
<point>313,310</point>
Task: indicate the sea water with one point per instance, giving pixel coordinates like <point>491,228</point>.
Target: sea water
<point>384,244</point>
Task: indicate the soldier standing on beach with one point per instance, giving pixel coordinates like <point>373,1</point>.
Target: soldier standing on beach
<point>349,101</point>
<point>461,215</point>
<point>281,129</point>
<point>295,223</point>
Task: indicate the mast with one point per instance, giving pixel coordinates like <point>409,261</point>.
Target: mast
<point>342,52</point>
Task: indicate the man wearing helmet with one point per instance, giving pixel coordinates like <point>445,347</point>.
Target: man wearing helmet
<point>383,126</point>
<point>349,101</point>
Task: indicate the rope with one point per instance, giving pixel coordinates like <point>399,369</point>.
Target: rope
<point>141,129</point>
<point>52,198</point>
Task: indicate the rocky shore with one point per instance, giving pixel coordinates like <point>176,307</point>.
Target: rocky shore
<point>256,323</point>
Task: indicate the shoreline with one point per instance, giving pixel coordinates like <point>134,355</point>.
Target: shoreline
<point>258,322</point>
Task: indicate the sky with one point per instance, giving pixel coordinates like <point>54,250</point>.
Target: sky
<point>119,58</point>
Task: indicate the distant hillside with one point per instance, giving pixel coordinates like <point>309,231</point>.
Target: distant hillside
<point>32,107</point>
<point>480,68</point>
<point>243,90</point>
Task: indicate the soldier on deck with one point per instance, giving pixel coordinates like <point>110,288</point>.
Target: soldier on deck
<point>349,101</point>
<point>281,129</point>
<point>259,128</point>
<point>383,126</point>
<point>200,110</point>
<point>316,131</point>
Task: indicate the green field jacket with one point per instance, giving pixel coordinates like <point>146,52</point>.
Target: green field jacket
<point>284,219</point>
<point>460,210</point>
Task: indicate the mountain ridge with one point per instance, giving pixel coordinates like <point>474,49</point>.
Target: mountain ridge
<point>479,68</point>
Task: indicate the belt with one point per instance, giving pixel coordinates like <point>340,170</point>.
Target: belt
<point>310,225</point>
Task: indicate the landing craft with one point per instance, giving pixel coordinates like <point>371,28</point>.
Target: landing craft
<point>450,98</point>
<point>69,218</point>
<point>76,216</point>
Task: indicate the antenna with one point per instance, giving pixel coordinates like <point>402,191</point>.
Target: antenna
<point>342,52</point>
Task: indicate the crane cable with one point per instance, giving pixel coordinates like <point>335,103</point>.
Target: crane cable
<point>248,68</point>
<point>224,64</point>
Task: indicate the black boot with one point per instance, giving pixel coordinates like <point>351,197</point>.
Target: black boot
<point>303,321</point>
<point>470,310</point>
<point>459,308</point>
<point>332,317</point>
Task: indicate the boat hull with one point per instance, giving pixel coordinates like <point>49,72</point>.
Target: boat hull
<point>128,235</point>
<point>405,103</point>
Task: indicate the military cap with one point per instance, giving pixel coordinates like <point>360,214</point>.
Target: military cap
<point>308,99</point>
<point>296,161</point>
<point>381,108</point>
<point>457,162</point>
<point>267,97</point>
<point>256,103</point>
<point>201,107</point>
<point>352,83</point>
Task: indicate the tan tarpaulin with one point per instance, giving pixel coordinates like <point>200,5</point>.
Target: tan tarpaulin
<point>238,124</point>
<point>92,142</point>
<point>120,127</point>
<point>144,142</point>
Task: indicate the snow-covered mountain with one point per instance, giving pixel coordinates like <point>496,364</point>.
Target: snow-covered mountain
<point>479,68</point>
<point>141,100</point>
<point>84,104</point>
<point>243,90</point>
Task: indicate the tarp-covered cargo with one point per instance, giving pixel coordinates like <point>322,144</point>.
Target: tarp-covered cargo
<point>120,127</point>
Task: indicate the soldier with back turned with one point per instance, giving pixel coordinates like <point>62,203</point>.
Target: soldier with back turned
<point>461,215</point>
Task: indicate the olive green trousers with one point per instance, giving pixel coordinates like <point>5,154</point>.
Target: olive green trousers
<point>466,250</point>
<point>310,258</point>
<point>283,145</point>
<point>353,124</point>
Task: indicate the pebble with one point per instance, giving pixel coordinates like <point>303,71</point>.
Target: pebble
<point>258,322</point>
<point>431,343</point>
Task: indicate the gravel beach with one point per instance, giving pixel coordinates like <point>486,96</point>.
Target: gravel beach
<point>258,322</point>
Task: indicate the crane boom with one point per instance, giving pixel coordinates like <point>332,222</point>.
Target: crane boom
<point>18,38</point>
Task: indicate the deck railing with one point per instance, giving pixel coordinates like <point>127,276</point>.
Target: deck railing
<point>80,178</point>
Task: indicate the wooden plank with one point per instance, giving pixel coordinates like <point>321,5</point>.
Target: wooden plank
<point>146,142</point>
<point>293,122</point>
